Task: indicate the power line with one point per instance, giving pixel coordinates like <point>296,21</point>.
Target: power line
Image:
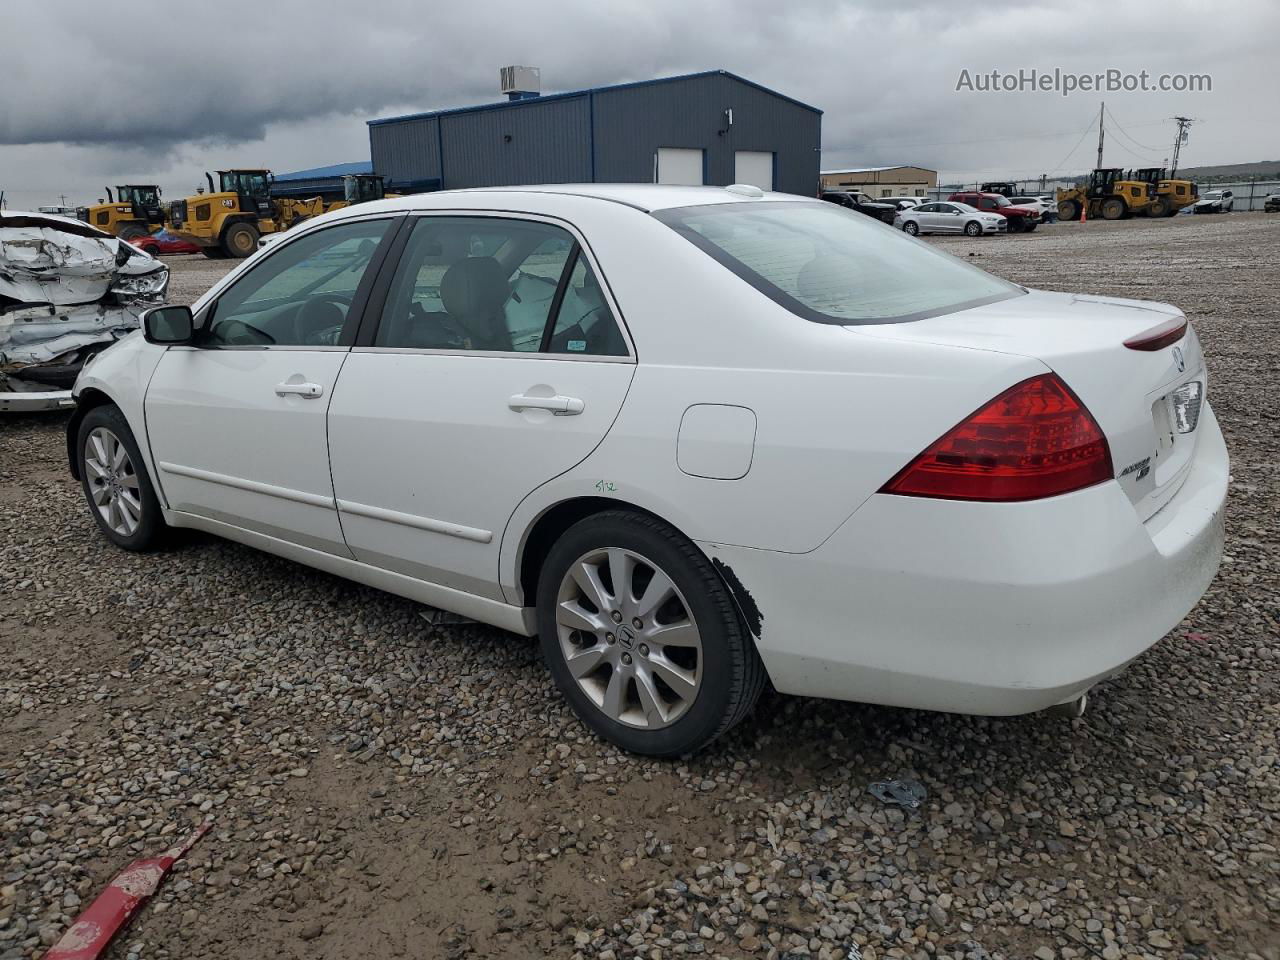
<point>949,143</point>
<point>1087,130</point>
<point>1131,139</point>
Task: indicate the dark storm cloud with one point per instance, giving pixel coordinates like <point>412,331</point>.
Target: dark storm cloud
<point>176,83</point>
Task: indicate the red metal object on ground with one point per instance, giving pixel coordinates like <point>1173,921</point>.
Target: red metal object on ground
<point>112,910</point>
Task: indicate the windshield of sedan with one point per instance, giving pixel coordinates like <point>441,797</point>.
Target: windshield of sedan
<point>831,265</point>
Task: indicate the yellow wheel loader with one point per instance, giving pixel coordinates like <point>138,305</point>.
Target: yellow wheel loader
<point>1107,194</point>
<point>356,188</point>
<point>1171,194</point>
<point>134,211</point>
<point>227,221</point>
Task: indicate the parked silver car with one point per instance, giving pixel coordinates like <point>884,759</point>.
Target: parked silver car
<point>946,216</point>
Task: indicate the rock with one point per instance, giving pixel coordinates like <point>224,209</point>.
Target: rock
<point>311,930</point>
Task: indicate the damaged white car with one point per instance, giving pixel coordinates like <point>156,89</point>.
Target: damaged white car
<point>67,292</point>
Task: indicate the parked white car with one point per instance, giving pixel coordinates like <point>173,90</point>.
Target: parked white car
<point>944,216</point>
<point>691,438</point>
<point>1214,201</point>
<point>1048,209</point>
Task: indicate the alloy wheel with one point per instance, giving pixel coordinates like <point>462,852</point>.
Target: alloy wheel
<point>113,481</point>
<point>628,638</point>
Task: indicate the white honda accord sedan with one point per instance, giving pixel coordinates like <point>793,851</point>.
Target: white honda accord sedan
<point>692,438</point>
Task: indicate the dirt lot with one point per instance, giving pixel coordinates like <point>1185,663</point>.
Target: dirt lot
<point>383,787</point>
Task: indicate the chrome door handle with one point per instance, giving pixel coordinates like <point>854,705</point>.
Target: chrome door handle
<point>308,391</point>
<point>560,406</point>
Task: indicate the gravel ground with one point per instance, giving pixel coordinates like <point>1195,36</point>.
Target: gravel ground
<point>380,785</point>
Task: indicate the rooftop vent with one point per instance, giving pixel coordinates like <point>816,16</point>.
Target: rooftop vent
<point>521,83</point>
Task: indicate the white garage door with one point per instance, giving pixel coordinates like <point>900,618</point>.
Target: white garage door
<point>678,165</point>
<point>754,167</point>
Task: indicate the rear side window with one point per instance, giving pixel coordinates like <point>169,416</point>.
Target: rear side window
<point>497,285</point>
<point>833,266</point>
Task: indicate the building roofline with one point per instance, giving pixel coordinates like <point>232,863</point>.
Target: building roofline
<point>573,94</point>
<point>899,166</point>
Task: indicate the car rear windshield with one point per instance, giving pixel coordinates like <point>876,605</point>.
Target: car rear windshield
<point>832,265</point>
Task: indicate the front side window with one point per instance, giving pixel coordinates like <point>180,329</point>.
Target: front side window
<point>299,295</point>
<point>831,266</point>
<point>498,285</point>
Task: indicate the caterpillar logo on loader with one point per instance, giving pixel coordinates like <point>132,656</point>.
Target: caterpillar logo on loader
<point>134,211</point>
<point>1108,195</point>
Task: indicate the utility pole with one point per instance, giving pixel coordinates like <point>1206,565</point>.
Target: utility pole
<point>1184,124</point>
<point>1101,110</point>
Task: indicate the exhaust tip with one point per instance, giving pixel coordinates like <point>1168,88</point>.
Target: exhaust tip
<point>1071,709</point>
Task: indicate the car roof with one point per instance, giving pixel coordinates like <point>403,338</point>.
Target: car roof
<point>642,196</point>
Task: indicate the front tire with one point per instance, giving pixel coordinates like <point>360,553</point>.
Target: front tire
<point>1113,208</point>
<point>240,240</point>
<point>132,231</point>
<point>642,637</point>
<point>1159,207</point>
<point>911,227</point>
<point>973,229</point>
<point>115,481</point>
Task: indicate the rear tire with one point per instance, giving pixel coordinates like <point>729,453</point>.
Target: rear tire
<point>240,240</point>
<point>911,227</point>
<point>973,229</point>
<point>115,481</point>
<point>132,231</point>
<point>1068,210</point>
<point>1159,207</point>
<point>657,678</point>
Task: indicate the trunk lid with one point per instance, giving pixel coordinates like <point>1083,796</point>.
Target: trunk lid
<point>1139,398</point>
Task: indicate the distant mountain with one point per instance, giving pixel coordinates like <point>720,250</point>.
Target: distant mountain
<point>1262,169</point>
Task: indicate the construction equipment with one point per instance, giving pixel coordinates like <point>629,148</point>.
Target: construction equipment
<point>1171,194</point>
<point>134,211</point>
<point>356,188</point>
<point>227,221</point>
<point>1107,194</point>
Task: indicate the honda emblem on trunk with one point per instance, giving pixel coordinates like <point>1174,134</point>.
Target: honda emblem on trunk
<point>1179,359</point>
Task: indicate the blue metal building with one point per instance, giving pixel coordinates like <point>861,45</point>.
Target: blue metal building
<point>317,180</point>
<point>712,127</point>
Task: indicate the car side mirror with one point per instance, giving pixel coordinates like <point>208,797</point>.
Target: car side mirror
<point>168,325</point>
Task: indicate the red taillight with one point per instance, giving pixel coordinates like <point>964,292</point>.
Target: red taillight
<point>1034,440</point>
<point>1160,336</point>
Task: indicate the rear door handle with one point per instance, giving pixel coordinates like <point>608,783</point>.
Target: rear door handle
<point>560,406</point>
<point>308,391</point>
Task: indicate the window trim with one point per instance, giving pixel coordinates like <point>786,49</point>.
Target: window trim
<point>209,310</point>
<point>366,336</point>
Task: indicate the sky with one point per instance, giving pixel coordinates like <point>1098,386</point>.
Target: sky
<point>153,91</point>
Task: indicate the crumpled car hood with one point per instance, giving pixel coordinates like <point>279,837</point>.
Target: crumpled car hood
<point>67,290</point>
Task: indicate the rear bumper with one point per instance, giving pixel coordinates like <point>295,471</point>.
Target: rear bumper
<point>986,608</point>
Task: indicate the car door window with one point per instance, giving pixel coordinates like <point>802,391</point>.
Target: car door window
<point>584,323</point>
<point>496,284</point>
<point>300,294</point>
